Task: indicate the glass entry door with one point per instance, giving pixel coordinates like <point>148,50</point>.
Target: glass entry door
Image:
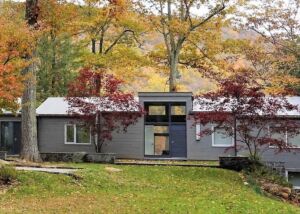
<point>161,145</point>
<point>157,140</point>
<point>10,137</point>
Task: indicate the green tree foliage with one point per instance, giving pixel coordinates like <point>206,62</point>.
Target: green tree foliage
<point>59,60</point>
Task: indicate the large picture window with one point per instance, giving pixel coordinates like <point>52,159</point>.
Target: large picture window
<point>220,138</point>
<point>292,139</point>
<point>77,134</point>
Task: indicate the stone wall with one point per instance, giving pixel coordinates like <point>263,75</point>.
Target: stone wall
<point>78,157</point>
<point>234,163</point>
<point>100,158</point>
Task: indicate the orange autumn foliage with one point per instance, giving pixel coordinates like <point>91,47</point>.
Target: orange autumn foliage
<point>16,43</point>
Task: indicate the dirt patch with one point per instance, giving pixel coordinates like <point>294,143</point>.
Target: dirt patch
<point>112,169</point>
<point>5,187</point>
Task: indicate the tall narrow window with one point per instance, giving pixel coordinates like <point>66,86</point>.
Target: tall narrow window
<point>70,134</point>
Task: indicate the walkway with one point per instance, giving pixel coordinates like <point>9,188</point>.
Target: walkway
<point>168,162</point>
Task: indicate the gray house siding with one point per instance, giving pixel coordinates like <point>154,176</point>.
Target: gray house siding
<point>202,149</point>
<point>129,144</point>
<point>51,138</point>
<point>13,118</point>
<point>291,159</point>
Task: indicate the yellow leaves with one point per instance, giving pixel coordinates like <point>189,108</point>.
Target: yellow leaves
<point>280,83</point>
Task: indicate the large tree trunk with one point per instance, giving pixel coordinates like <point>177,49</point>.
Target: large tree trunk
<point>173,72</point>
<point>29,149</point>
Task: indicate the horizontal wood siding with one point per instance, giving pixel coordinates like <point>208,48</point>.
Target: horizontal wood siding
<point>203,149</point>
<point>51,139</point>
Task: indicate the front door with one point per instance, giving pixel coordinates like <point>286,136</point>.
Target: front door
<point>10,137</point>
<point>178,140</point>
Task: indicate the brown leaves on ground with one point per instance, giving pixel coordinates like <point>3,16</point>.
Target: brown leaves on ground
<point>281,192</point>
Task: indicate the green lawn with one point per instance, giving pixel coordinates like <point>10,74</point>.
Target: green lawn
<point>138,189</point>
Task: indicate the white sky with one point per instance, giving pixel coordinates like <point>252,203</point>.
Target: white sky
<point>195,11</point>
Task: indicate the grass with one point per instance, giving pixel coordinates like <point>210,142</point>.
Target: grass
<point>138,189</point>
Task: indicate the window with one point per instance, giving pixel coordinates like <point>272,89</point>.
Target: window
<point>294,140</point>
<point>284,135</point>
<point>77,134</point>
<point>178,110</point>
<point>70,134</point>
<point>156,140</point>
<point>278,133</point>
<point>82,134</point>
<point>220,138</point>
<point>294,178</point>
<point>157,110</point>
<point>198,131</point>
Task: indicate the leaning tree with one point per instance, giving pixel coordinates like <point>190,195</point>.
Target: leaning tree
<point>96,100</point>
<point>244,112</point>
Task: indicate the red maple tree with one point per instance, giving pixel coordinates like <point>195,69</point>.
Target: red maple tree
<point>242,109</point>
<point>97,101</point>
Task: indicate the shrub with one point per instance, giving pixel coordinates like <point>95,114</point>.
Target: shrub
<point>7,175</point>
<point>259,172</point>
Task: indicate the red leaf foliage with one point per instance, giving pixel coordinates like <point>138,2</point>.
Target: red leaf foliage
<point>96,99</point>
<point>248,114</point>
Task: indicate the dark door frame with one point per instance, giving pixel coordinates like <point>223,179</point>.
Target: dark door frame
<point>16,136</point>
<point>169,124</point>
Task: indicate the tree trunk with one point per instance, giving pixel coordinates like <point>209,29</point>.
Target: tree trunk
<point>234,136</point>
<point>173,72</point>
<point>29,148</point>
<point>93,46</point>
<point>98,143</point>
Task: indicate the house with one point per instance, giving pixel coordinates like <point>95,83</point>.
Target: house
<point>165,132</point>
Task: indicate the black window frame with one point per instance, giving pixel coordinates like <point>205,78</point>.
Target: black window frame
<point>163,120</point>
